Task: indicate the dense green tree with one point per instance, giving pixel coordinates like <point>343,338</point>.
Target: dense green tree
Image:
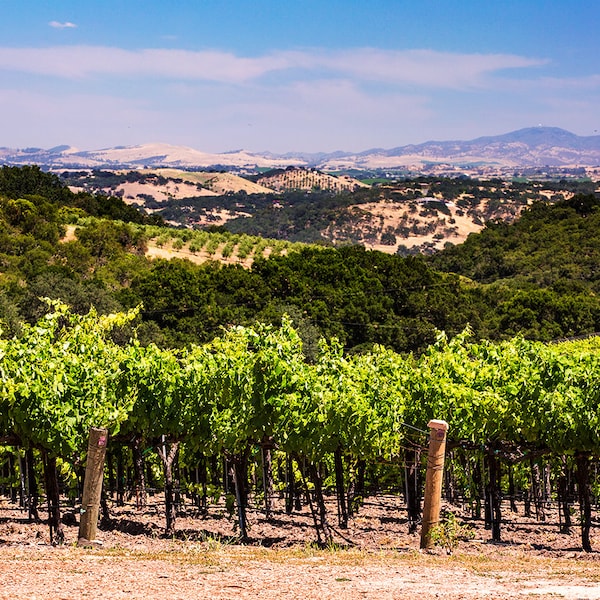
<point>549,243</point>
<point>538,277</point>
<point>20,182</point>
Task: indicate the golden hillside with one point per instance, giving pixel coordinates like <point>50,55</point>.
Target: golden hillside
<point>218,183</point>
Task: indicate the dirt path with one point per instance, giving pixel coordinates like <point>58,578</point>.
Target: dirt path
<point>376,558</point>
<point>42,572</point>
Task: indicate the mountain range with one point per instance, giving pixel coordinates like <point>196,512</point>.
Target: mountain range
<point>530,147</point>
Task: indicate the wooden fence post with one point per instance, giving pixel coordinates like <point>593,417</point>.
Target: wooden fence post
<point>433,479</point>
<point>92,485</point>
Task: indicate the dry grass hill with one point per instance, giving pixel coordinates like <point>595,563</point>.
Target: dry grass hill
<point>217,183</point>
<point>167,184</point>
<point>393,217</point>
<point>389,225</point>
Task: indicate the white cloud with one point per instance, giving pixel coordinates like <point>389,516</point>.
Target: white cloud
<point>413,67</point>
<point>590,82</point>
<point>423,67</point>
<point>64,25</point>
<point>311,99</point>
<point>86,61</point>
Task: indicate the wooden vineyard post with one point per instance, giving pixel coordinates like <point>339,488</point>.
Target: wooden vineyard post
<point>433,479</point>
<point>92,485</point>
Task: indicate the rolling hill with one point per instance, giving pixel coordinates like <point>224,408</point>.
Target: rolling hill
<point>529,147</point>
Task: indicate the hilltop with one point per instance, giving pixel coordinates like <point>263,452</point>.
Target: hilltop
<point>297,178</point>
<point>135,187</point>
<point>529,147</point>
<point>140,156</point>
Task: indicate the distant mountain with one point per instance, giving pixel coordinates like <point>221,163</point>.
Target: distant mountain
<point>533,146</point>
<point>530,147</point>
<point>135,157</point>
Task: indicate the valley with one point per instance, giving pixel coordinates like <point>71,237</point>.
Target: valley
<point>396,215</point>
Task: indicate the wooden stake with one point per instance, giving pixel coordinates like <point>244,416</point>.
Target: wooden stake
<point>92,486</point>
<point>433,479</point>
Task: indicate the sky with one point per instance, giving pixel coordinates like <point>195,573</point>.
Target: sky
<point>295,75</point>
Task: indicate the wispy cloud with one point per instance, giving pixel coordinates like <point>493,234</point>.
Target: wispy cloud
<point>313,99</point>
<point>423,67</point>
<point>62,25</point>
<point>415,67</point>
<point>87,61</point>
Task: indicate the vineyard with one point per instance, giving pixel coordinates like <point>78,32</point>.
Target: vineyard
<point>222,246</point>
<point>294,178</point>
<point>246,419</point>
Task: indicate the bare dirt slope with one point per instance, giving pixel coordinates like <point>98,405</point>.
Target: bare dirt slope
<point>433,229</point>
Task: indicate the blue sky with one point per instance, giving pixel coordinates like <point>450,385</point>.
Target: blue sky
<point>304,75</point>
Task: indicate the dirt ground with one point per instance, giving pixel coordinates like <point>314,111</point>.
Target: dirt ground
<point>375,558</point>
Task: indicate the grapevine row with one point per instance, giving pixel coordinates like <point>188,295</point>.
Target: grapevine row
<point>252,387</point>
<point>231,245</point>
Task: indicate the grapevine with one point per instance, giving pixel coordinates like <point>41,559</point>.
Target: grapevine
<point>509,404</point>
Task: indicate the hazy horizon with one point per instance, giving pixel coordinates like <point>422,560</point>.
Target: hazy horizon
<point>290,151</point>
